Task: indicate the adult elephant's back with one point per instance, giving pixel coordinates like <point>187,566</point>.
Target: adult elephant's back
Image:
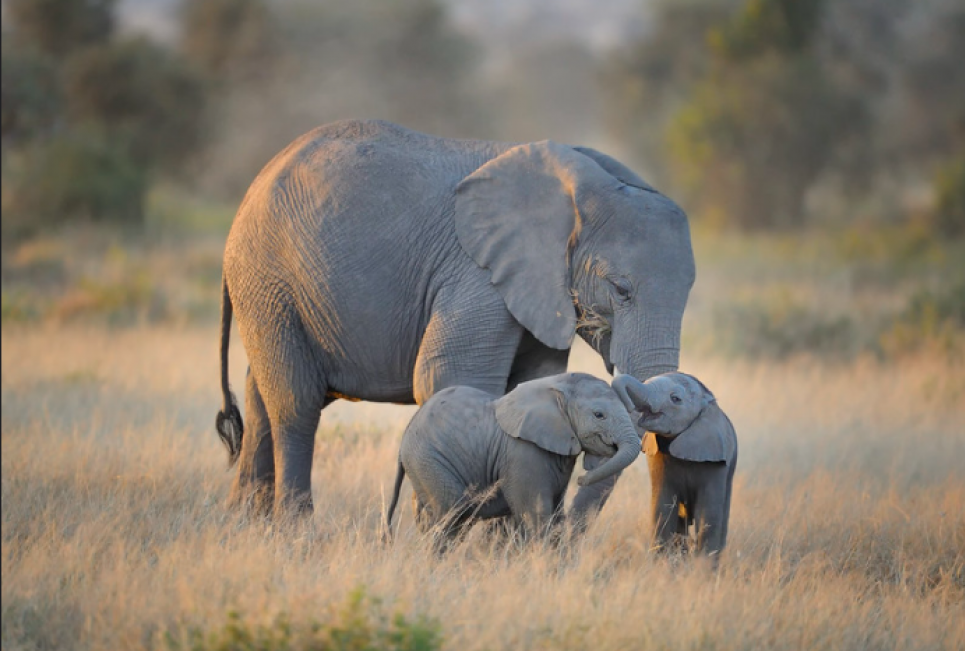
<point>347,234</point>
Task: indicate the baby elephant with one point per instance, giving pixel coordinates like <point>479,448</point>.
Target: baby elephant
<point>473,456</point>
<point>691,448</point>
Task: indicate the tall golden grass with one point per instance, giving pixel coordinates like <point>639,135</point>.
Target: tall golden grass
<point>848,522</point>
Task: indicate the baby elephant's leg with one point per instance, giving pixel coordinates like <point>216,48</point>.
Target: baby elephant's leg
<point>453,524</point>
<point>423,517</point>
<point>710,514</point>
<point>665,506</point>
<point>668,524</point>
<point>440,504</point>
<point>536,514</point>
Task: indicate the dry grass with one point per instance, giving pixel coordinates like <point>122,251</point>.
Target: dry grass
<point>848,520</point>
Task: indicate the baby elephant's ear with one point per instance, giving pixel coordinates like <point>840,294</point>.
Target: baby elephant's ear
<point>536,412</point>
<point>710,438</point>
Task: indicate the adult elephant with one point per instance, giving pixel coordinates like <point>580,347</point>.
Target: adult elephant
<point>371,262</point>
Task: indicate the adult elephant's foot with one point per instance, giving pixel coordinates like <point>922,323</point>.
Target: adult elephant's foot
<point>255,498</point>
<point>295,505</point>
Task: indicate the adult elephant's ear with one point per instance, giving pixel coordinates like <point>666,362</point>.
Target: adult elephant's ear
<point>710,438</point>
<point>518,216</point>
<point>616,169</point>
<point>535,412</point>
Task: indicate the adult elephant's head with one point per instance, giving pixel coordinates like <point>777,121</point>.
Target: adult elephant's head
<point>576,242</point>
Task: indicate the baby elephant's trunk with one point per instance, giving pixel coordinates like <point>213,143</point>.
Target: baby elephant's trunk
<point>628,447</point>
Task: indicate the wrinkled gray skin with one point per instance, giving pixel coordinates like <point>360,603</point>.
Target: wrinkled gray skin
<point>464,442</point>
<point>370,262</point>
<point>691,449</point>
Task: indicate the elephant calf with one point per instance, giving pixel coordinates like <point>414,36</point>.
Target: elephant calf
<point>473,456</point>
<point>691,448</point>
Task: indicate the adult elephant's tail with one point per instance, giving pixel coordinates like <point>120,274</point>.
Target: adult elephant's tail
<point>230,427</point>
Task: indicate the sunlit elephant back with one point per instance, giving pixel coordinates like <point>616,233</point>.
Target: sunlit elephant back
<point>371,262</point>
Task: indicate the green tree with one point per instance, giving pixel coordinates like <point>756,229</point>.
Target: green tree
<point>30,95</point>
<point>781,27</point>
<point>77,174</point>
<point>88,120</point>
<point>949,213</point>
<point>140,94</point>
<point>753,139</point>
<point>648,82</point>
<point>61,27</point>
<point>231,41</point>
<point>398,60</point>
<point>753,118</point>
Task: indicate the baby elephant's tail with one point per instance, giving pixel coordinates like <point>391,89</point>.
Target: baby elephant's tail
<point>399,476</point>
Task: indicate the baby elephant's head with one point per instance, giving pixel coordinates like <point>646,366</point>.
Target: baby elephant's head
<point>680,407</point>
<point>571,413</point>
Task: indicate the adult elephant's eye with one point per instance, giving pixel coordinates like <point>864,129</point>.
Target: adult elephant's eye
<point>675,399</point>
<point>622,288</point>
<point>599,415</point>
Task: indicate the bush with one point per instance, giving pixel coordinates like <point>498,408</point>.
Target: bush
<point>229,40</point>
<point>930,320</point>
<point>89,121</point>
<point>30,98</point>
<point>142,95</point>
<point>782,327</point>
<point>77,175</point>
<point>949,216</point>
<point>60,27</point>
<point>361,625</point>
<point>753,141</point>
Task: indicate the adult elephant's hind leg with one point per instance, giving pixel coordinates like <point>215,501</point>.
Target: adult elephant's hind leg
<point>294,392</point>
<point>293,425</point>
<point>254,483</point>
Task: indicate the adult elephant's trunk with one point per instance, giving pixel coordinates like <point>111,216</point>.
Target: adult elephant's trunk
<point>647,347</point>
<point>628,447</point>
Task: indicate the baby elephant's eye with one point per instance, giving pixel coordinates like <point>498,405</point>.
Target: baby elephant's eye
<point>675,399</point>
<point>599,415</point>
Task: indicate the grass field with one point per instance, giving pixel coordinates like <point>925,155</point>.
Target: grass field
<point>847,530</point>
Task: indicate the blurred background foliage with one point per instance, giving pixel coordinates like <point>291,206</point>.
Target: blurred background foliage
<point>781,114</point>
<point>819,147</point>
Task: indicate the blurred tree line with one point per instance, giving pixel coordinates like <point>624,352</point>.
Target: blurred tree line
<point>755,114</point>
<point>92,118</point>
<point>88,118</point>
<point>783,114</point>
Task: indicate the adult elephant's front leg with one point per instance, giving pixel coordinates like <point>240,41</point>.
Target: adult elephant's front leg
<point>534,360</point>
<point>470,341</point>
<point>254,483</point>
